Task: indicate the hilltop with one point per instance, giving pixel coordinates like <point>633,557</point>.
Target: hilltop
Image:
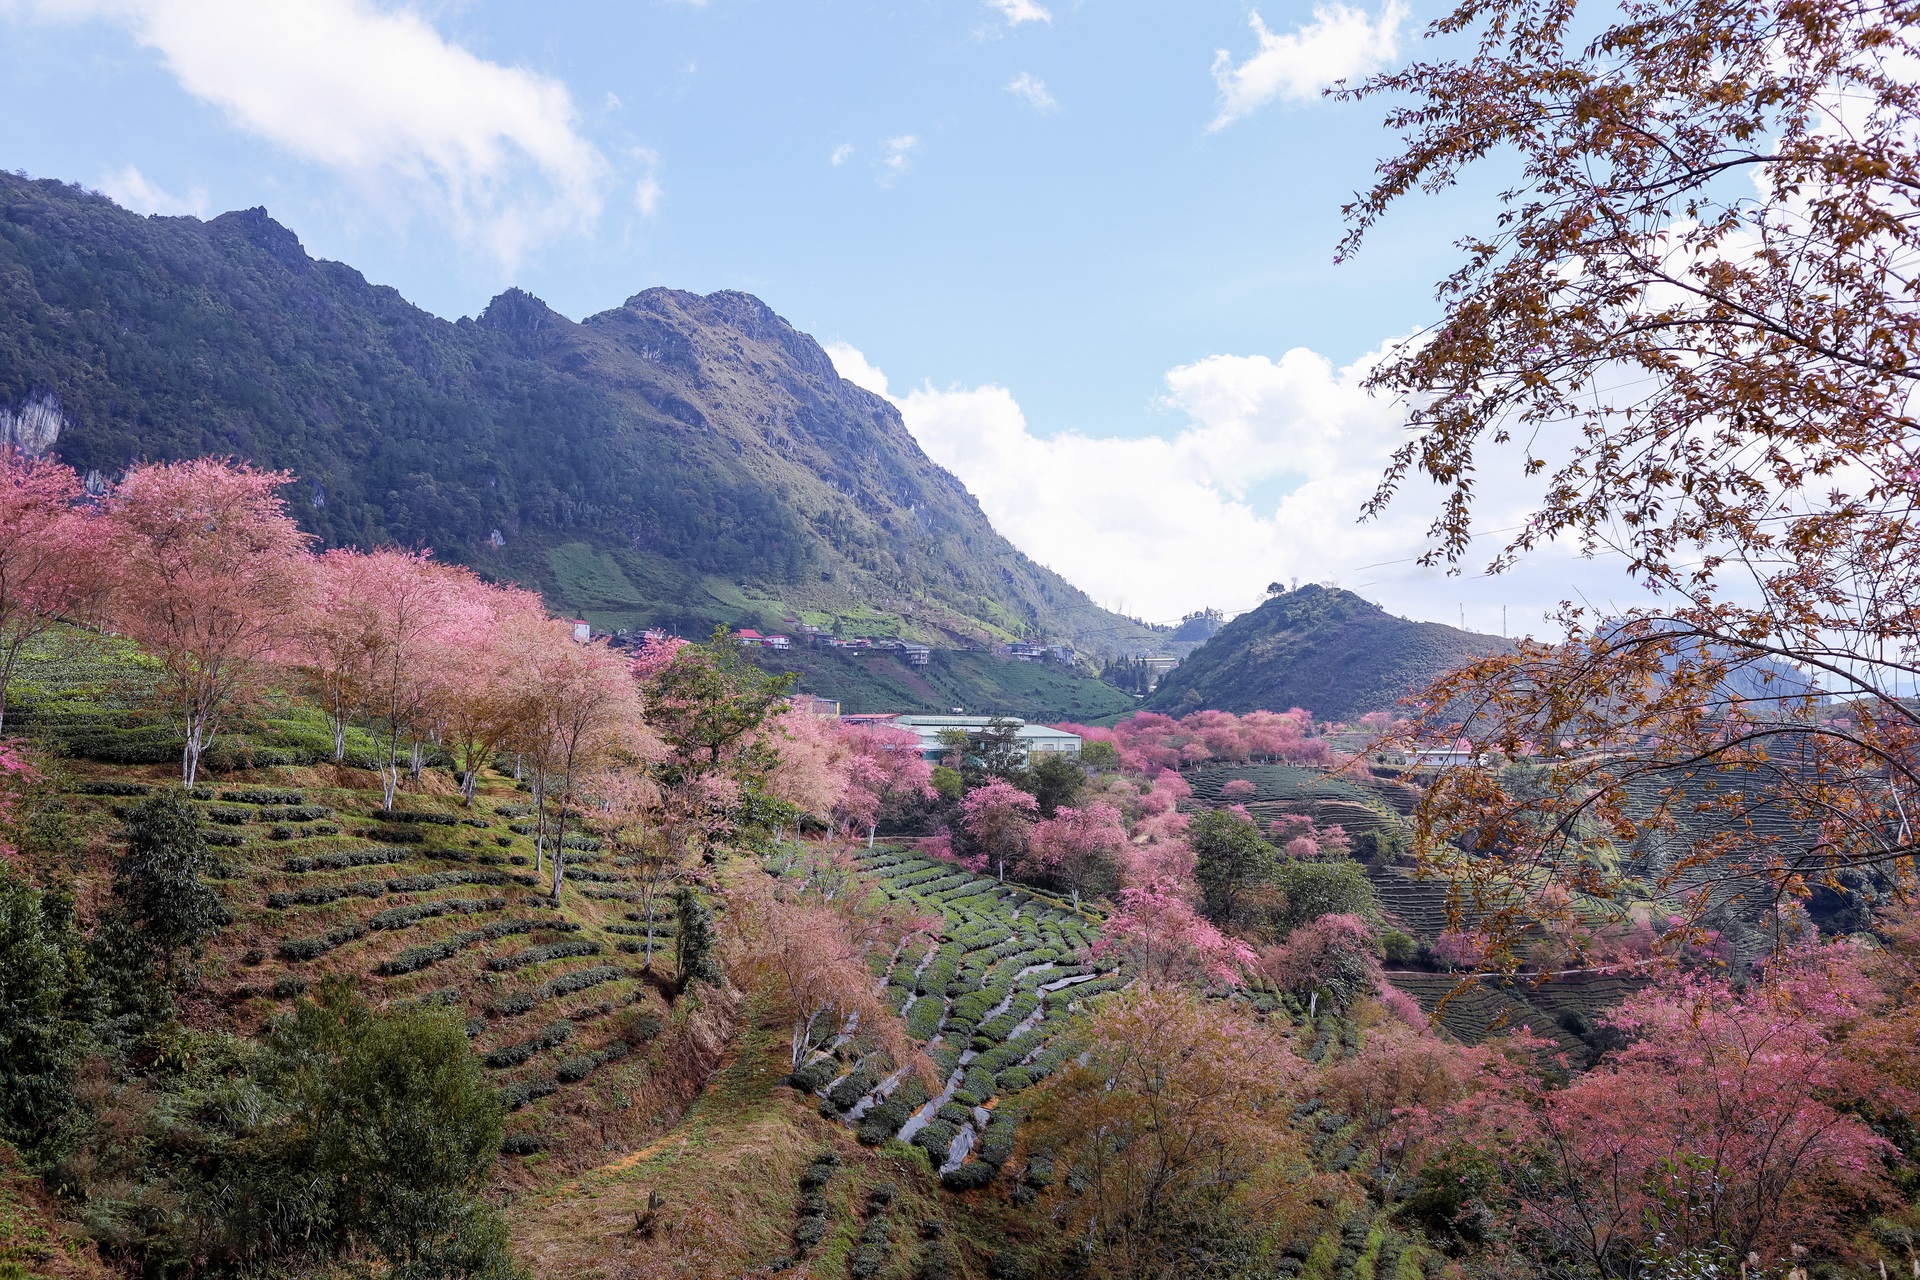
<point>678,460</point>
<point>1320,648</point>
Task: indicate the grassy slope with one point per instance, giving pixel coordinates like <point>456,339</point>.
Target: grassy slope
<point>977,681</point>
<point>1324,649</point>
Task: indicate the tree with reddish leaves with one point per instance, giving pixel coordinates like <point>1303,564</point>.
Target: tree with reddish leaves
<point>1331,957</point>
<point>808,956</point>
<point>581,706</point>
<point>1160,935</point>
<point>1693,321</point>
<point>407,603</point>
<point>1078,847</point>
<point>1730,1122</point>
<point>52,564</point>
<point>211,572</point>
<point>478,690</point>
<point>999,816</point>
<point>882,763</point>
<point>1176,1123</point>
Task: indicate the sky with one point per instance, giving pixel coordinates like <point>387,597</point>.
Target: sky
<point>1087,246</point>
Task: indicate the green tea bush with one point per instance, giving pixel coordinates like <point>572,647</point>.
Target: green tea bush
<point>541,954</point>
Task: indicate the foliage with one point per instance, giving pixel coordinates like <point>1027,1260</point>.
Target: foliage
<point>999,816</point>
<point>1713,206</point>
<point>39,955</point>
<point>399,1125</point>
<point>1332,886</point>
<point>208,573</point>
<point>694,942</point>
<point>1178,1116</point>
<point>157,886</point>
<point>1233,865</point>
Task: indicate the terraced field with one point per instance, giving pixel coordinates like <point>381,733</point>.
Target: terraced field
<point>1361,803</point>
<point>987,996</point>
<point>431,902</point>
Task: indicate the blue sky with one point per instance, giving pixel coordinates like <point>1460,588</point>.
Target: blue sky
<point>1086,244</point>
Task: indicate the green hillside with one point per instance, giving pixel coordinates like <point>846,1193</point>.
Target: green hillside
<point>1320,648</point>
<point>979,682</point>
<point>678,460</point>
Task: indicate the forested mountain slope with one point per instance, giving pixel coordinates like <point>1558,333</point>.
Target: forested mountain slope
<point>678,460</point>
<point>1320,648</point>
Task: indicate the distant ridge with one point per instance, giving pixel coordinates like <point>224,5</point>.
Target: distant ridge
<point>677,460</point>
<point>1320,648</point>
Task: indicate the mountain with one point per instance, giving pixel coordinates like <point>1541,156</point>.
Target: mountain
<point>678,460</point>
<point>1321,648</point>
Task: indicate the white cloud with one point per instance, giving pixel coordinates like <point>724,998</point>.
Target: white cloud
<point>1032,91</point>
<point>1264,480</point>
<point>647,191</point>
<point>840,154</point>
<point>133,190</point>
<point>896,156</point>
<point>852,364</point>
<point>420,125</point>
<point>1019,11</point>
<point>613,102</point>
<point>1339,43</point>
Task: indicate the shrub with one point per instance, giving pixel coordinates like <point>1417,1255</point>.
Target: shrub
<point>923,1020</point>
<point>540,954</point>
<point>813,1075</point>
<point>399,1128</point>
<point>513,1055</point>
<point>416,815</point>
<point>230,817</point>
<point>156,883</point>
<point>289,987</point>
<point>342,861</point>
<point>37,1036</point>
<point>809,1231</point>
<point>401,917</point>
<point>516,1096</point>
<point>111,788</point>
<point>1398,947</point>
<point>855,1087</point>
<point>261,795</point>
<point>967,1177</point>
<point>521,1144</point>
<point>935,1138</point>
<point>297,949</point>
<point>296,813</point>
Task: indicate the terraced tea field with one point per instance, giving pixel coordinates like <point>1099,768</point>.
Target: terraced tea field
<point>1357,803</point>
<point>430,902</point>
<point>988,996</point>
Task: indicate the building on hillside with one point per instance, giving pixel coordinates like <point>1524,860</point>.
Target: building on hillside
<point>777,642</point>
<point>749,637</point>
<point>1031,739</point>
<point>1158,664</point>
<point>917,655</point>
<point>1023,652</point>
<point>1444,757</point>
<point>582,630</point>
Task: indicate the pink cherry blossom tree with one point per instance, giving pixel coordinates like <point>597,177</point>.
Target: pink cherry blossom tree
<point>209,575</point>
<point>999,816</point>
<point>51,559</point>
<point>1076,845</point>
<point>1158,932</point>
